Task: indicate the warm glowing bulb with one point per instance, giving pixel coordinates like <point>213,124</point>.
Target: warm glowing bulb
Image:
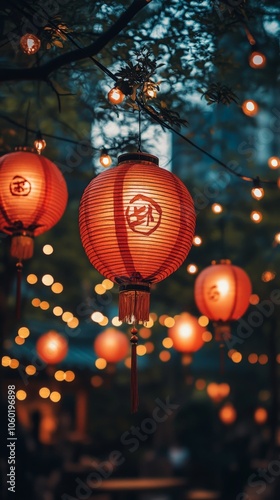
<point>30,44</point>
<point>257,193</point>
<point>116,96</point>
<point>197,241</point>
<point>105,160</point>
<point>39,145</point>
<point>257,60</point>
<point>217,208</point>
<point>223,287</point>
<point>250,107</point>
<point>277,238</point>
<point>273,162</point>
<point>256,216</point>
<point>192,268</point>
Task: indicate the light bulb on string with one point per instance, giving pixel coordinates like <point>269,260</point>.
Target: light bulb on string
<point>30,44</point>
<point>257,60</point>
<point>256,216</point>
<point>116,96</point>
<point>273,162</point>
<point>257,191</point>
<point>217,208</point>
<point>105,159</point>
<point>39,143</point>
<point>250,107</point>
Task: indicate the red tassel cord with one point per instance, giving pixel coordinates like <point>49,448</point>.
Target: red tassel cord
<point>133,373</point>
<point>19,267</point>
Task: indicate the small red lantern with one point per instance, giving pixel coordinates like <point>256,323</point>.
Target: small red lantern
<point>30,44</point>
<point>222,292</point>
<point>111,345</point>
<point>33,197</point>
<point>257,60</point>
<point>52,347</point>
<point>186,334</point>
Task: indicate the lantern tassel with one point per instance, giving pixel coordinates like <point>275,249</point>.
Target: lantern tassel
<point>133,373</point>
<point>134,303</point>
<point>19,267</point>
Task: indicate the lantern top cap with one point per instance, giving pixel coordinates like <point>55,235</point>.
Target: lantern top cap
<point>138,157</point>
<point>222,261</point>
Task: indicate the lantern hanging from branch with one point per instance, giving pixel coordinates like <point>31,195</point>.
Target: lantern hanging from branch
<point>137,224</point>
<point>222,292</point>
<point>112,345</point>
<point>186,334</point>
<point>52,347</point>
<point>33,197</point>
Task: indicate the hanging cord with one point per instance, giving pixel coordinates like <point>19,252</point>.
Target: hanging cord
<point>139,150</point>
<point>222,358</point>
<point>19,267</point>
<point>26,124</point>
<point>133,371</point>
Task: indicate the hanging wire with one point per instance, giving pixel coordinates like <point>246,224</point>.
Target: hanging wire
<point>139,150</point>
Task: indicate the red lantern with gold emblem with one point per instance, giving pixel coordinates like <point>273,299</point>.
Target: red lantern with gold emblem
<point>33,197</point>
<point>111,345</point>
<point>137,224</point>
<point>52,347</point>
<point>222,292</point>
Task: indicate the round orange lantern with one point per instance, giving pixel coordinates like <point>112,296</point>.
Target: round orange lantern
<point>186,334</point>
<point>257,59</point>
<point>33,197</point>
<point>52,347</point>
<point>228,414</point>
<point>111,345</point>
<point>222,292</point>
<point>137,224</point>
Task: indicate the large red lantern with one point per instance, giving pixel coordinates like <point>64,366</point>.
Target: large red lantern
<point>111,345</point>
<point>33,197</point>
<point>52,347</point>
<point>186,334</point>
<point>137,223</point>
<point>222,292</point>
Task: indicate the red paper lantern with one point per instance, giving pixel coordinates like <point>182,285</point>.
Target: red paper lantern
<point>186,334</point>
<point>137,224</point>
<point>111,345</point>
<point>33,197</point>
<point>222,292</point>
<point>52,347</point>
<point>30,44</point>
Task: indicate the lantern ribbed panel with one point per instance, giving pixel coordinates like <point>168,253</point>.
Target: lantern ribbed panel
<point>111,345</point>
<point>222,292</point>
<point>32,191</point>
<point>136,218</point>
<point>186,334</point>
<point>52,347</point>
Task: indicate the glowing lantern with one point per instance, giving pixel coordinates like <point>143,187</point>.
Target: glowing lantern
<point>33,197</point>
<point>111,345</point>
<point>116,96</point>
<point>105,159</point>
<point>30,44</point>
<point>137,224</point>
<point>52,347</point>
<point>222,292</point>
<point>228,414</point>
<point>250,107</point>
<point>186,334</point>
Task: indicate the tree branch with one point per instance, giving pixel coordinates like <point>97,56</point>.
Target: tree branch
<point>43,72</point>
